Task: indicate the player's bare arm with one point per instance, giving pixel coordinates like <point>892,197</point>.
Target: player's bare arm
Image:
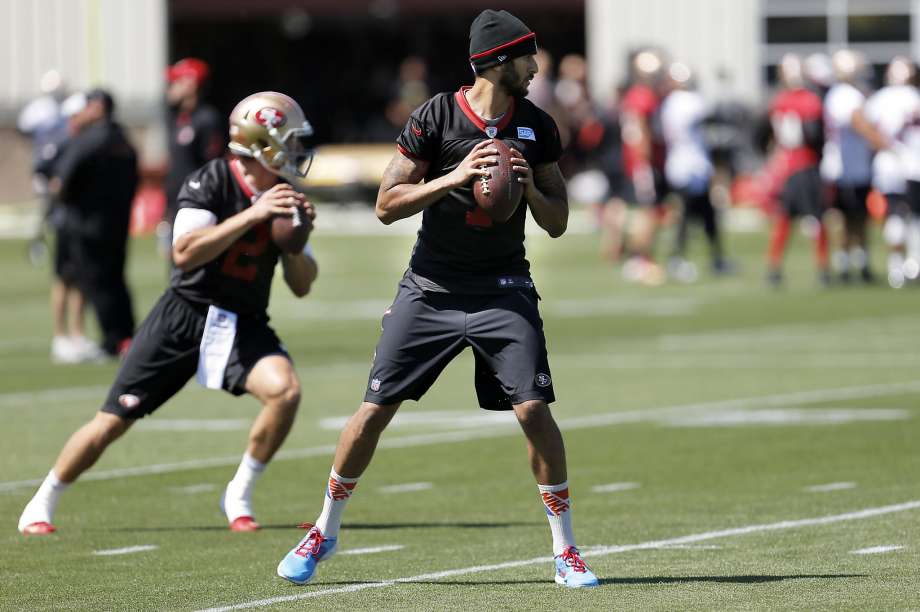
<point>545,192</point>
<point>200,246</point>
<point>402,195</point>
<point>300,269</point>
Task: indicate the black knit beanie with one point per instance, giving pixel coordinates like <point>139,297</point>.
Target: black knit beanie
<point>498,36</point>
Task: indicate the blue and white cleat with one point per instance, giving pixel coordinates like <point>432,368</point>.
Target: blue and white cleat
<point>572,571</point>
<point>299,565</point>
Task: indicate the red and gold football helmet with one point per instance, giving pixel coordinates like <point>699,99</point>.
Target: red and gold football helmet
<point>271,127</point>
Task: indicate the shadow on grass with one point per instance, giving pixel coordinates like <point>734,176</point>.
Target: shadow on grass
<point>741,579</point>
<point>346,526</point>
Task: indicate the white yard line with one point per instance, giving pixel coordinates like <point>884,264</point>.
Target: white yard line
<point>875,550</point>
<point>599,551</point>
<point>125,551</point>
<point>195,489</point>
<point>194,424</point>
<point>831,486</point>
<point>408,487</point>
<point>372,550</point>
<point>615,487</point>
<point>495,430</point>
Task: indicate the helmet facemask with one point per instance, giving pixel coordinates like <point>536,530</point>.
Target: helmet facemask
<point>289,154</point>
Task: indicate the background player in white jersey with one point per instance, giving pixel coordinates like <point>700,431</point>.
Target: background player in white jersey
<point>891,110</point>
<point>847,160</point>
<point>688,169</point>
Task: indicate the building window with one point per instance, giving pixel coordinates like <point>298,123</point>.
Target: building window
<point>797,29</point>
<point>878,28</point>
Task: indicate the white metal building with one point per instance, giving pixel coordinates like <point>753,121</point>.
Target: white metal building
<point>743,38</point>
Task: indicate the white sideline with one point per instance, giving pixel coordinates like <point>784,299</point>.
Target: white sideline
<point>494,430</point>
<point>598,551</point>
<point>125,551</point>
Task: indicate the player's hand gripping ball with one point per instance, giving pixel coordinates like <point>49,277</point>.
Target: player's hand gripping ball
<point>291,232</point>
<point>499,193</point>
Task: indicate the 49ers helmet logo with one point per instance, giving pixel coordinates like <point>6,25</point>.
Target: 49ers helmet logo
<point>270,117</point>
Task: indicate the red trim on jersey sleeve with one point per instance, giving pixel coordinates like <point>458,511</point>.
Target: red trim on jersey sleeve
<point>407,152</point>
<point>238,175</point>
<point>478,121</point>
<point>505,45</point>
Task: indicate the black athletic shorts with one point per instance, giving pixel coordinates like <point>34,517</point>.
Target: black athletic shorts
<point>802,194</point>
<point>424,330</point>
<point>913,197</point>
<point>66,259</point>
<point>851,200</point>
<point>897,204</point>
<point>164,356</point>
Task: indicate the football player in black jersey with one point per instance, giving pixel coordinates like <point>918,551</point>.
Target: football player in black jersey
<point>211,322</point>
<point>468,282</point>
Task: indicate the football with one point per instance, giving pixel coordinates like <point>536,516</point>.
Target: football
<point>290,234</point>
<point>499,193</point>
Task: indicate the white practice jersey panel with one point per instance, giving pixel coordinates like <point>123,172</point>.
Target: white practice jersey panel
<point>892,110</point>
<point>687,164</point>
<point>847,157</point>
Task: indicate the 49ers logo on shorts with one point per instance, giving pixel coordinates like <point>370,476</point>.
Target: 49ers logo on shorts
<point>129,401</point>
<point>270,117</point>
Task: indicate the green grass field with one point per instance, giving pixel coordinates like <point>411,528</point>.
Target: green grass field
<point>697,420</point>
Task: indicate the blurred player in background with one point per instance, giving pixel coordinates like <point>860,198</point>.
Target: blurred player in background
<point>96,177</point>
<point>643,161</point>
<point>847,161</point>
<point>892,110</point>
<point>196,135</point>
<point>212,319</point>
<point>795,116</point>
<point>50,120</point>
<point>688,169</point>
<point>468,283</point>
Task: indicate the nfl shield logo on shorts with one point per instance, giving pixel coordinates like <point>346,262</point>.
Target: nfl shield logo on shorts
<point>491,131</point>
<point>375,385</point>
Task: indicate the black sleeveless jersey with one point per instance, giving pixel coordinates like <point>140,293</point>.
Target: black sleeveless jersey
<point>459,248</point>
<point>240,278</point>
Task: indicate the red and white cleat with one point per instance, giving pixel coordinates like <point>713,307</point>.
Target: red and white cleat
<point>242,523</point>
<point>39,528</point>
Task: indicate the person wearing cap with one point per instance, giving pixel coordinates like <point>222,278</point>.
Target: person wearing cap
<point>468,283</point>
<point>96,177</point>
<point>196,133</point>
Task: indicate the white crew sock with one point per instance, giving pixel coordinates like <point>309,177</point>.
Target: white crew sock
<point>238,495</point>
<point>913,239</point>
<point>559,513</point>
<point>841,260</point>
<point>338,492</point>
<point>41,507</point>
<point>858,258</point>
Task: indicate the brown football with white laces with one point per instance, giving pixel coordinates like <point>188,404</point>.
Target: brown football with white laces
<point>291,233</point>
<point>499,193</point>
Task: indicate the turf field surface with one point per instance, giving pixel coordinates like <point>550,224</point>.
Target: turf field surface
<point>730,446</point>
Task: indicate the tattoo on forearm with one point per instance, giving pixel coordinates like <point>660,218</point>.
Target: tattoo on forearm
<point>402,170</point>
<point>549,180</point>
